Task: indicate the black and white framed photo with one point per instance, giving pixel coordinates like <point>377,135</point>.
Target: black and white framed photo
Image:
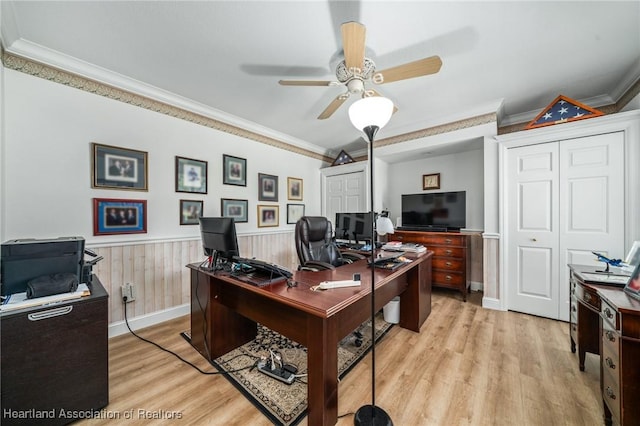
<point>116,216</point>
<point>267,187</point>
<point>294,189</point>
<point>190,211</point>
<point>268,216</point>
<point>234,170</point>
<point>191,175</point>
<point>237,209</point>
<point>294,212</point>
<point>118,168</point>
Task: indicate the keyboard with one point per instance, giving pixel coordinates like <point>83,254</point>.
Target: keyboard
<point>264,267</point>
<point>326,285</point>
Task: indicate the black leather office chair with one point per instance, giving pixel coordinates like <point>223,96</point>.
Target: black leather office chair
<point>315,246</point>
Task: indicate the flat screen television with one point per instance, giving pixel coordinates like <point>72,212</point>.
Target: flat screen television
<point>353,227</point>
<point>440,211</point>
<point>219,240</point>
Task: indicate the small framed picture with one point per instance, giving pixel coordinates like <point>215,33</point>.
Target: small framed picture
<point>118,168</point>
<point>633,285</point>
<point>294,189</point>
<point>268,216</point>
<point>234,170</point>
<point>633,257</point>
<point>190,211</point>
<point>191,175</point>
<point>294,212</point>
<point>237,209</point>
<point>431,181</point>
<point>267,187</point>
<point>116,216</point>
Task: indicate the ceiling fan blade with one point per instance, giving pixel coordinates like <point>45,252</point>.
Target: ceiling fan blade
<point>333,106</point>
<point>413,69</point>
<point>353,34</point>
<point>304,83</point>
<point>372,92</point>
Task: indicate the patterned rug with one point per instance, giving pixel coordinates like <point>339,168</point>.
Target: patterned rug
<point>286,404</point>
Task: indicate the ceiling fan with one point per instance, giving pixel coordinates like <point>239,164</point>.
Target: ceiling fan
<point>356,69</point>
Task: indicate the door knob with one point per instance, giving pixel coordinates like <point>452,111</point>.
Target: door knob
<point>534,240</point>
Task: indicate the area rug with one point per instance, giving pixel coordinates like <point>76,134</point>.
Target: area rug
<point>285,404</point>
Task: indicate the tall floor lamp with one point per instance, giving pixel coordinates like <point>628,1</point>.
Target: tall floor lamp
<point>370,114</point>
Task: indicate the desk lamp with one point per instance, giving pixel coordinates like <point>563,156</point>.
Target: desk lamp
<point>370,114</point>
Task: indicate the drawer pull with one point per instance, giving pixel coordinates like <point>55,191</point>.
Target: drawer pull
<point>610,336</point>
<point>587,297</point>
<point>448,241</point>
<point>448,264</point>
<point>608,313</point>
<point>610,363</point>
<point>448,278</point>
<point>56,312</point>
<point>448,252</point>
<point>573,308</point>
<point>610,393</point>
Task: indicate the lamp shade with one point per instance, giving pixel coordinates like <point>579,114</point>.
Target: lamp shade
<point>384,225</point>
<point>371,111</point>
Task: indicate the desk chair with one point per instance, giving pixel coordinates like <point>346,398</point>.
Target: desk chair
<point>315,247</point>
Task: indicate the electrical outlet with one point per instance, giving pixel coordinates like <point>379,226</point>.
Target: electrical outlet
<point>128,291</point>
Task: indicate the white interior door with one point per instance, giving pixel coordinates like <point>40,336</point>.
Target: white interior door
<point>345,193</point>
<point>532,249</point>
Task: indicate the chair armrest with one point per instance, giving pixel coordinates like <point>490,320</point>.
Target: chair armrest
<point>352,256</point>
<point>316,265</point>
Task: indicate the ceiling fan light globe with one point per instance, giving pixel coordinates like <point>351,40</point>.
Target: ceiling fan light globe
<point>371,111</point>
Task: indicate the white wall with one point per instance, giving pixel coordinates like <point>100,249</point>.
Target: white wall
<point>46,166</point>
<point>458,172</point>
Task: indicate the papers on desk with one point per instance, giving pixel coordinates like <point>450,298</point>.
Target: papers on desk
<point>408,247</point>
<point>606,278</point>
<point>20,301</point>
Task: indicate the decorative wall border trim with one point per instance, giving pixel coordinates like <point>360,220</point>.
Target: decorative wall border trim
<point>66,78</point>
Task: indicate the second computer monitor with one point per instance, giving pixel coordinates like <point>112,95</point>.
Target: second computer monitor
<point>219,237</point>
<point>354,227</point>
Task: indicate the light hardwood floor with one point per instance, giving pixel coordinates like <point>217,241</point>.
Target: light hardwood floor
<point>467,366</point>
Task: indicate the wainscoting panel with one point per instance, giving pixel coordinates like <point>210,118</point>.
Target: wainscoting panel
<point>159,274</point>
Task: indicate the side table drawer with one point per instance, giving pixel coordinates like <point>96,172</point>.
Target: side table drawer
<point>609,315</point>
<point>447,263</point>
<point>588,297</point>
<point>448,279</point>
<point>447,251</point>
<point>611,393</point>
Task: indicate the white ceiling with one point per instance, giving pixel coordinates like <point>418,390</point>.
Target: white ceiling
<point>226,57</point>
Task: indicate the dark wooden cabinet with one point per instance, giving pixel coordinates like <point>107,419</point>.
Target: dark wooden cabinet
<point>54,360</point>
<point>606,321</point>
<point>451,257</point>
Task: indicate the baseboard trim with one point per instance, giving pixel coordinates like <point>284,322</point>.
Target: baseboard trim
<point>476,286</point>
<point>120,327</point>
<point>492,303</point>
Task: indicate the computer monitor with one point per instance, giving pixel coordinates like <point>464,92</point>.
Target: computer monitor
<point>353,226</point>
<point>219,240</point>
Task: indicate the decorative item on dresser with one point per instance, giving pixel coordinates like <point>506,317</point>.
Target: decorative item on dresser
<point>606,321</point>
<point>451,257</point>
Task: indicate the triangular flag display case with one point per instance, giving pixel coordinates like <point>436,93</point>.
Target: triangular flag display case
<point>342,158</point>
<point>563,110</point>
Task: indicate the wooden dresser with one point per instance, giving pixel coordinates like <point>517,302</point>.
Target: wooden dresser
<point>606,321</point>
<point>451,257</point>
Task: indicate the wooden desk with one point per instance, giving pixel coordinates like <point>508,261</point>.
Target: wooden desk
<point>225,310</point>
<point>605,321</point>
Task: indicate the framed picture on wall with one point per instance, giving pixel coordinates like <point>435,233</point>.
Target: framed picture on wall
<point>431,181</point>
<point>234,170</point>
<point>267,187</point>
<point>268,216</point>
<point>294,189</point>
<point>190,211</point>
<point>294,212</point>
<point>237,209</point>
<point>116,216</point>
<point>191,175</point>
<point>118,168</point>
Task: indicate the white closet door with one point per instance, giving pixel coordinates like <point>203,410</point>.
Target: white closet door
<point>345,193</point>
<point>591,203</point>
<point>533,245</point>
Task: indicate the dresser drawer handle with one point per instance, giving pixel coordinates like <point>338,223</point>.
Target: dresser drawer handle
<point>448,264</point>
<point>610,363</point>
<point>448,241</point>
<point>448,278</point>
<point>610,393</point>
<point>587,297</point>
<point>573,308</point>
<point>448,252</point>
<point>610,336</point>
<point>608,313</point>
<point>56,312</point>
